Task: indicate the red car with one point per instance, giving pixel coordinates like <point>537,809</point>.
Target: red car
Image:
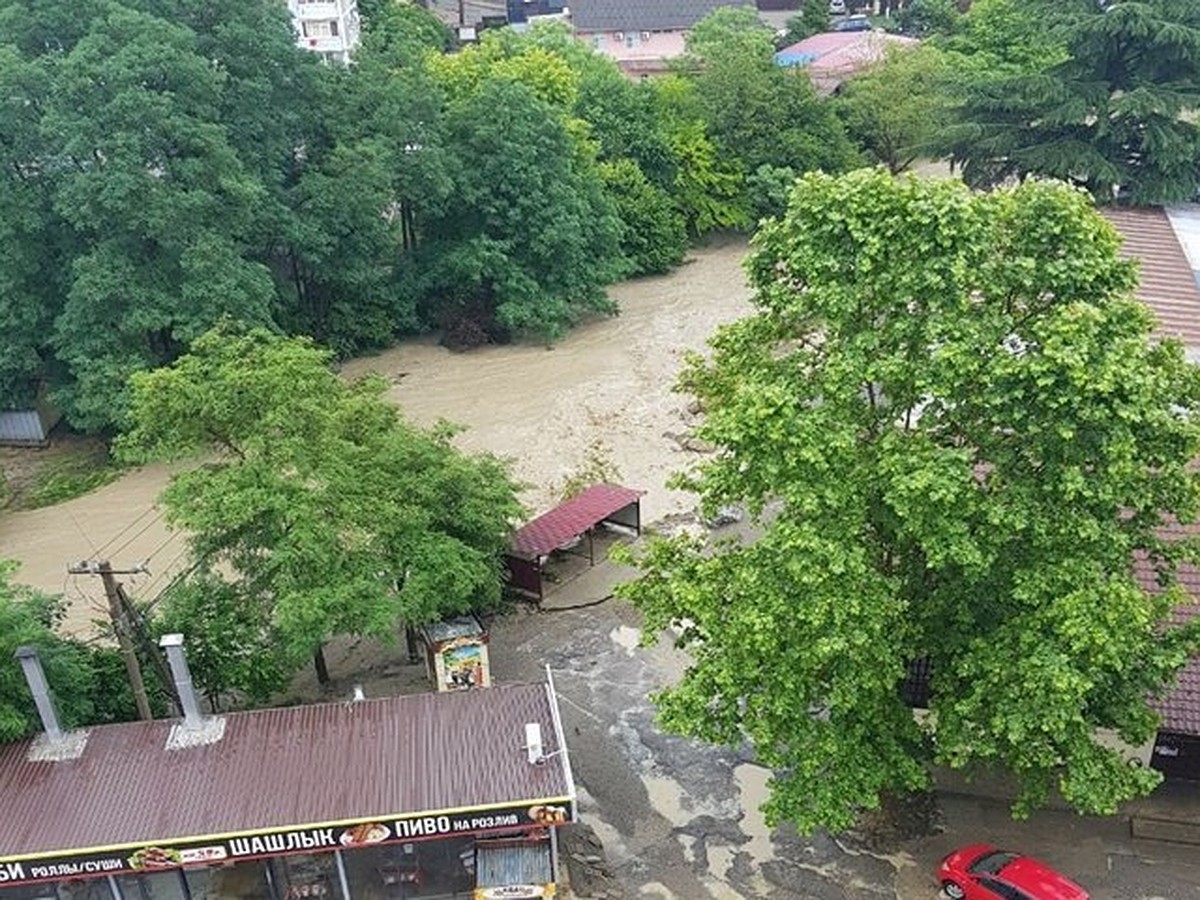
<point>984,872</point>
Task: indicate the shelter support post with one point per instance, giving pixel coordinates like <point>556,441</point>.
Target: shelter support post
<point>341,870</point>
<point>554,854</point>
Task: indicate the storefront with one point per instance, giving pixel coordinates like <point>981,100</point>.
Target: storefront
<point>434,795</point>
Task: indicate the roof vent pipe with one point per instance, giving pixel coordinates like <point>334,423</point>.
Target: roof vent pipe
<point>36,676</point>
<point>173,644</point>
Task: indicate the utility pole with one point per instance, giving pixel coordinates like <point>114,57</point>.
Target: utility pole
<point>120,624</point>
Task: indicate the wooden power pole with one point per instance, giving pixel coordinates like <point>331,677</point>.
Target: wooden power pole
<point>116,613</point>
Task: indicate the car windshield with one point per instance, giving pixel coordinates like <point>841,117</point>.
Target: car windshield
<point>991,863</point>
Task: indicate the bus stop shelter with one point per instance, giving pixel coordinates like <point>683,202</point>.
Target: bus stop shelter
<point>576,518</point>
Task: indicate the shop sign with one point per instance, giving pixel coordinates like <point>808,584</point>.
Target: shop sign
<point>515,892</point>
<point>202,851</point>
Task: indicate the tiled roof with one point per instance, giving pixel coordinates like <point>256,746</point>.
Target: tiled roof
<point>1167,285</point>
<point>643,15</point>
<point>1180,708</point>
<point>274,768</point>
<point>833,56</point>
<point>570,519</point>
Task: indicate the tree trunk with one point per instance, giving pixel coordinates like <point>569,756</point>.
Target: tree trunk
<point>410,638</point>
<point>319,664</point>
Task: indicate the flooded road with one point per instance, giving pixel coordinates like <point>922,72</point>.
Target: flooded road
<point>608,382</point>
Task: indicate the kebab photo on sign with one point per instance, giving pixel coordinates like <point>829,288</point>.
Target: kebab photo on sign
<point>155,858</point>
<point>366,833</point>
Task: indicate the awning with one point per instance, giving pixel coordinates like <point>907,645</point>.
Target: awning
<point>572,518</point>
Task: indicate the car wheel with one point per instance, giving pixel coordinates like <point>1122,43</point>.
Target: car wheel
<point>953,891</point>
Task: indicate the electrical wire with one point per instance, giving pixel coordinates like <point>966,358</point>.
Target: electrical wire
<point>82,533</point>
<point>116,537</point>
<point>142,531</point>
<point>171,537</point>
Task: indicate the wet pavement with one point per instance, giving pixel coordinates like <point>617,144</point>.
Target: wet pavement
<point>679,819</point>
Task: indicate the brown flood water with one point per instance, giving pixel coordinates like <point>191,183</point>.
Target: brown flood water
<point>608,381</point>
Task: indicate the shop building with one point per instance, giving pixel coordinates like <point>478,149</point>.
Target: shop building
<point>454,794</point>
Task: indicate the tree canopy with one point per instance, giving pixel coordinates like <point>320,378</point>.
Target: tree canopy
<point>899,108</point>
<point>1115,115</point>
<point>756,112</point>
<point>166,164</point>
<point>321,511</point>
<point>948,419</point>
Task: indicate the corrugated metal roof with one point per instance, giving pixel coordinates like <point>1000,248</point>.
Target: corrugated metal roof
<point>643,15</point>
<point>1167,283</point>
<point>572,518</point>
<point>22,427</point>
<point>304,765</point>
<point>1179,708</point>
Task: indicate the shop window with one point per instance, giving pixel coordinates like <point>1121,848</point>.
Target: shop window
<point>73,890</point>
<point>153,886</point>
<point>441,868</point>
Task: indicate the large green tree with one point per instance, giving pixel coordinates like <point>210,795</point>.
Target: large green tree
<point>954,430</point>
<point>320,508</point>
<point>532,236</point>
<point>900,107</point>
<point>756,112</point>
<point>1117,115</point>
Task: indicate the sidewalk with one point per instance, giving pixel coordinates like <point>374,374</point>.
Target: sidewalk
<point>1171,813</point>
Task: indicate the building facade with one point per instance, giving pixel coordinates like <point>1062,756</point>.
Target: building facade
<point>328,27</point>
<point>641,36</point>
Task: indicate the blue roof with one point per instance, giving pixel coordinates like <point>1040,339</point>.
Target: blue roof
<point>786,58</point>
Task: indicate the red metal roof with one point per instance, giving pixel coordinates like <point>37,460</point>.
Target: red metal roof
<point>300,766</point>
<point>1179,708</point>
<point>1167,283</point>
<point>571,519</point>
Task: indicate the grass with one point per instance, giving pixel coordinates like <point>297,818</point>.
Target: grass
<point>70,477</point>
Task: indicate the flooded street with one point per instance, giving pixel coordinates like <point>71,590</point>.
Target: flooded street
<point>608,382</point>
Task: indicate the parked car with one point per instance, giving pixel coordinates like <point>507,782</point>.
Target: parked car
<point>837,7</point>
<point>984,872</point>
<point>853,23</point>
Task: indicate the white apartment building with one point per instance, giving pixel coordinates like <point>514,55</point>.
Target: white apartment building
<point>328,27</point>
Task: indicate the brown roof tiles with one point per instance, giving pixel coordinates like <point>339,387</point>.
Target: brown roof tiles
<point>1168,285</point>
<point>301,766</point>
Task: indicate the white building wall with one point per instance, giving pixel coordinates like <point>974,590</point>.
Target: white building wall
<point>328,27</point>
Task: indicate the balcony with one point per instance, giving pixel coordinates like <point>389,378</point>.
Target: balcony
<point>319,11</point>
<point>323,44</point>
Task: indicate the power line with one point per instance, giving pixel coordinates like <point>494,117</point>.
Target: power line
<point>164,571</point>
<point>116,537</point>
<point>157,550</point>
<point>143,530</point>
<point>82,533</point>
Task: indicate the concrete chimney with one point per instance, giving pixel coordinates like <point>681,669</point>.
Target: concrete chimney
<point>173,644</point>
<point>40,690</point>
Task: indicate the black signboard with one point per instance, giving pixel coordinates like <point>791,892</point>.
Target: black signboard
<point>168,854</point>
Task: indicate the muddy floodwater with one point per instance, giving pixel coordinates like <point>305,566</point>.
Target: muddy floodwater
<point>608,383</point>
